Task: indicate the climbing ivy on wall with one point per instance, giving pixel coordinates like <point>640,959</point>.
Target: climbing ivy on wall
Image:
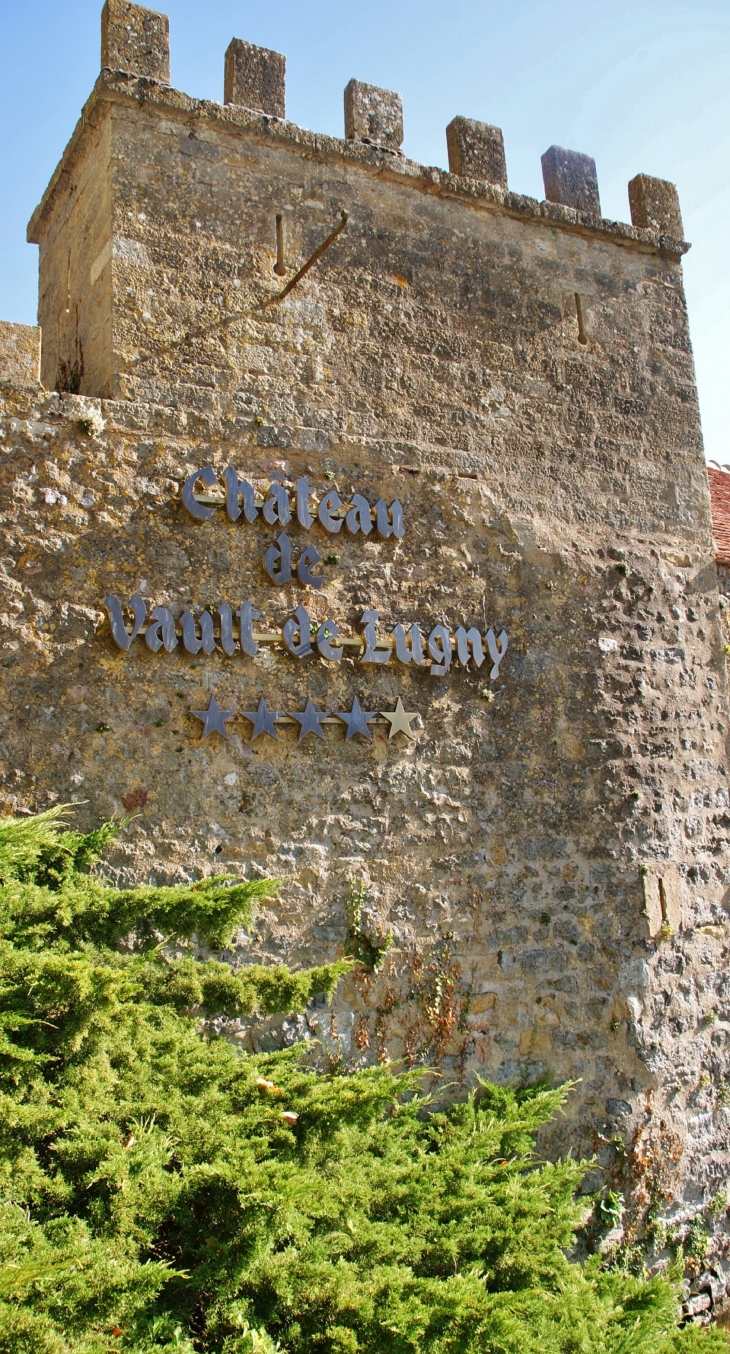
<point>162,1190</point>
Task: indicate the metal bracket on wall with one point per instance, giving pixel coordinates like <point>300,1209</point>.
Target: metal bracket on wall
<point>272,300</point>
<point>243,314</point>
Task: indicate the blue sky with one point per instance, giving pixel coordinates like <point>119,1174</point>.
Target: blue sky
<point>641,85</point>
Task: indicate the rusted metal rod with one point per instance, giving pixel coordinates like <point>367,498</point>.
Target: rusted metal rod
<point>242,314</point>
<point>310,262</point>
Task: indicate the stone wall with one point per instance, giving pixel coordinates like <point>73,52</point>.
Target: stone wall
<point>75,295</point>
<point>548,852</point>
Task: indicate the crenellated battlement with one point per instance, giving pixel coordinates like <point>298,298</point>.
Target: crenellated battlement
<point>135,41</point>
<point>141,143</point>
<point>477,174</point>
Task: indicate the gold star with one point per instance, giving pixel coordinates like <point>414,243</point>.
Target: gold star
<point>400,719</point>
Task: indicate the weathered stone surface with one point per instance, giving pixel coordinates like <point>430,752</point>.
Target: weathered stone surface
<point>255,77</point>
<point>136,40</point>
<point>20,353</point>
<point>202,158</point>
<point>374,115</point>
<point>570,178</point>
<point>476,151</point>
<point>663,888</point>
<point>552,488</point>
<point>655,205</point>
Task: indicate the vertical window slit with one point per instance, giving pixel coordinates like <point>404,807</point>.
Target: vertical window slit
<point>582,336</point>
<point>280,266</point>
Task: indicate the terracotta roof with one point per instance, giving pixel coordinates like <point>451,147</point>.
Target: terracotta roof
<point>720,500</point>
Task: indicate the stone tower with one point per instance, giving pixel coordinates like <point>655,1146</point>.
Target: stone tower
<point>329,426</point>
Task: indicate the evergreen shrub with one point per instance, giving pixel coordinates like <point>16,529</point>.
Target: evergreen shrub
<point>163,1190</point>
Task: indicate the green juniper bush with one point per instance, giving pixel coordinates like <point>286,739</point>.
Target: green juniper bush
<point>164,1190</point>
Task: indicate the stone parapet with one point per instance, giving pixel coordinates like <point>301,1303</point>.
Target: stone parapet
<point>116,88</point>
<point>219,197</point>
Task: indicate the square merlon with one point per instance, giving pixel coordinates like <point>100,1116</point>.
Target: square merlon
<point>655,206</point>
<point>476,151</point>
<point>373,115</point>
<point>135,40</point>
<point>20,354</point>
<point>570,179</point>
<point>255,78</point>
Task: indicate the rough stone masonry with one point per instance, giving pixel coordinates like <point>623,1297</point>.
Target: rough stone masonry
<point>242,321</point>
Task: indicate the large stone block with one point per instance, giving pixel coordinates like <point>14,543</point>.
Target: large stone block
<point>655,205</point>
<point>20,353</point>
<point>136,40</point>
<point>374,115</point>
<point>255,78</point>
<point>662,899</point>
<point>570,179</point>
<point>476,151</point>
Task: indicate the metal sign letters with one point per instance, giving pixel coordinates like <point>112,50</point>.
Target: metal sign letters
<point>228,630</point>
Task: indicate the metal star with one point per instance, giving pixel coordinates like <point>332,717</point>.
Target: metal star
<point>400,720</point>
<point>213,719</point>
<point>356,720</point>
<point>310,720</point>
<point>262,720</point>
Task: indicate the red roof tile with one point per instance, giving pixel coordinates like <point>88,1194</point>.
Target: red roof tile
<point>720,500</point>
